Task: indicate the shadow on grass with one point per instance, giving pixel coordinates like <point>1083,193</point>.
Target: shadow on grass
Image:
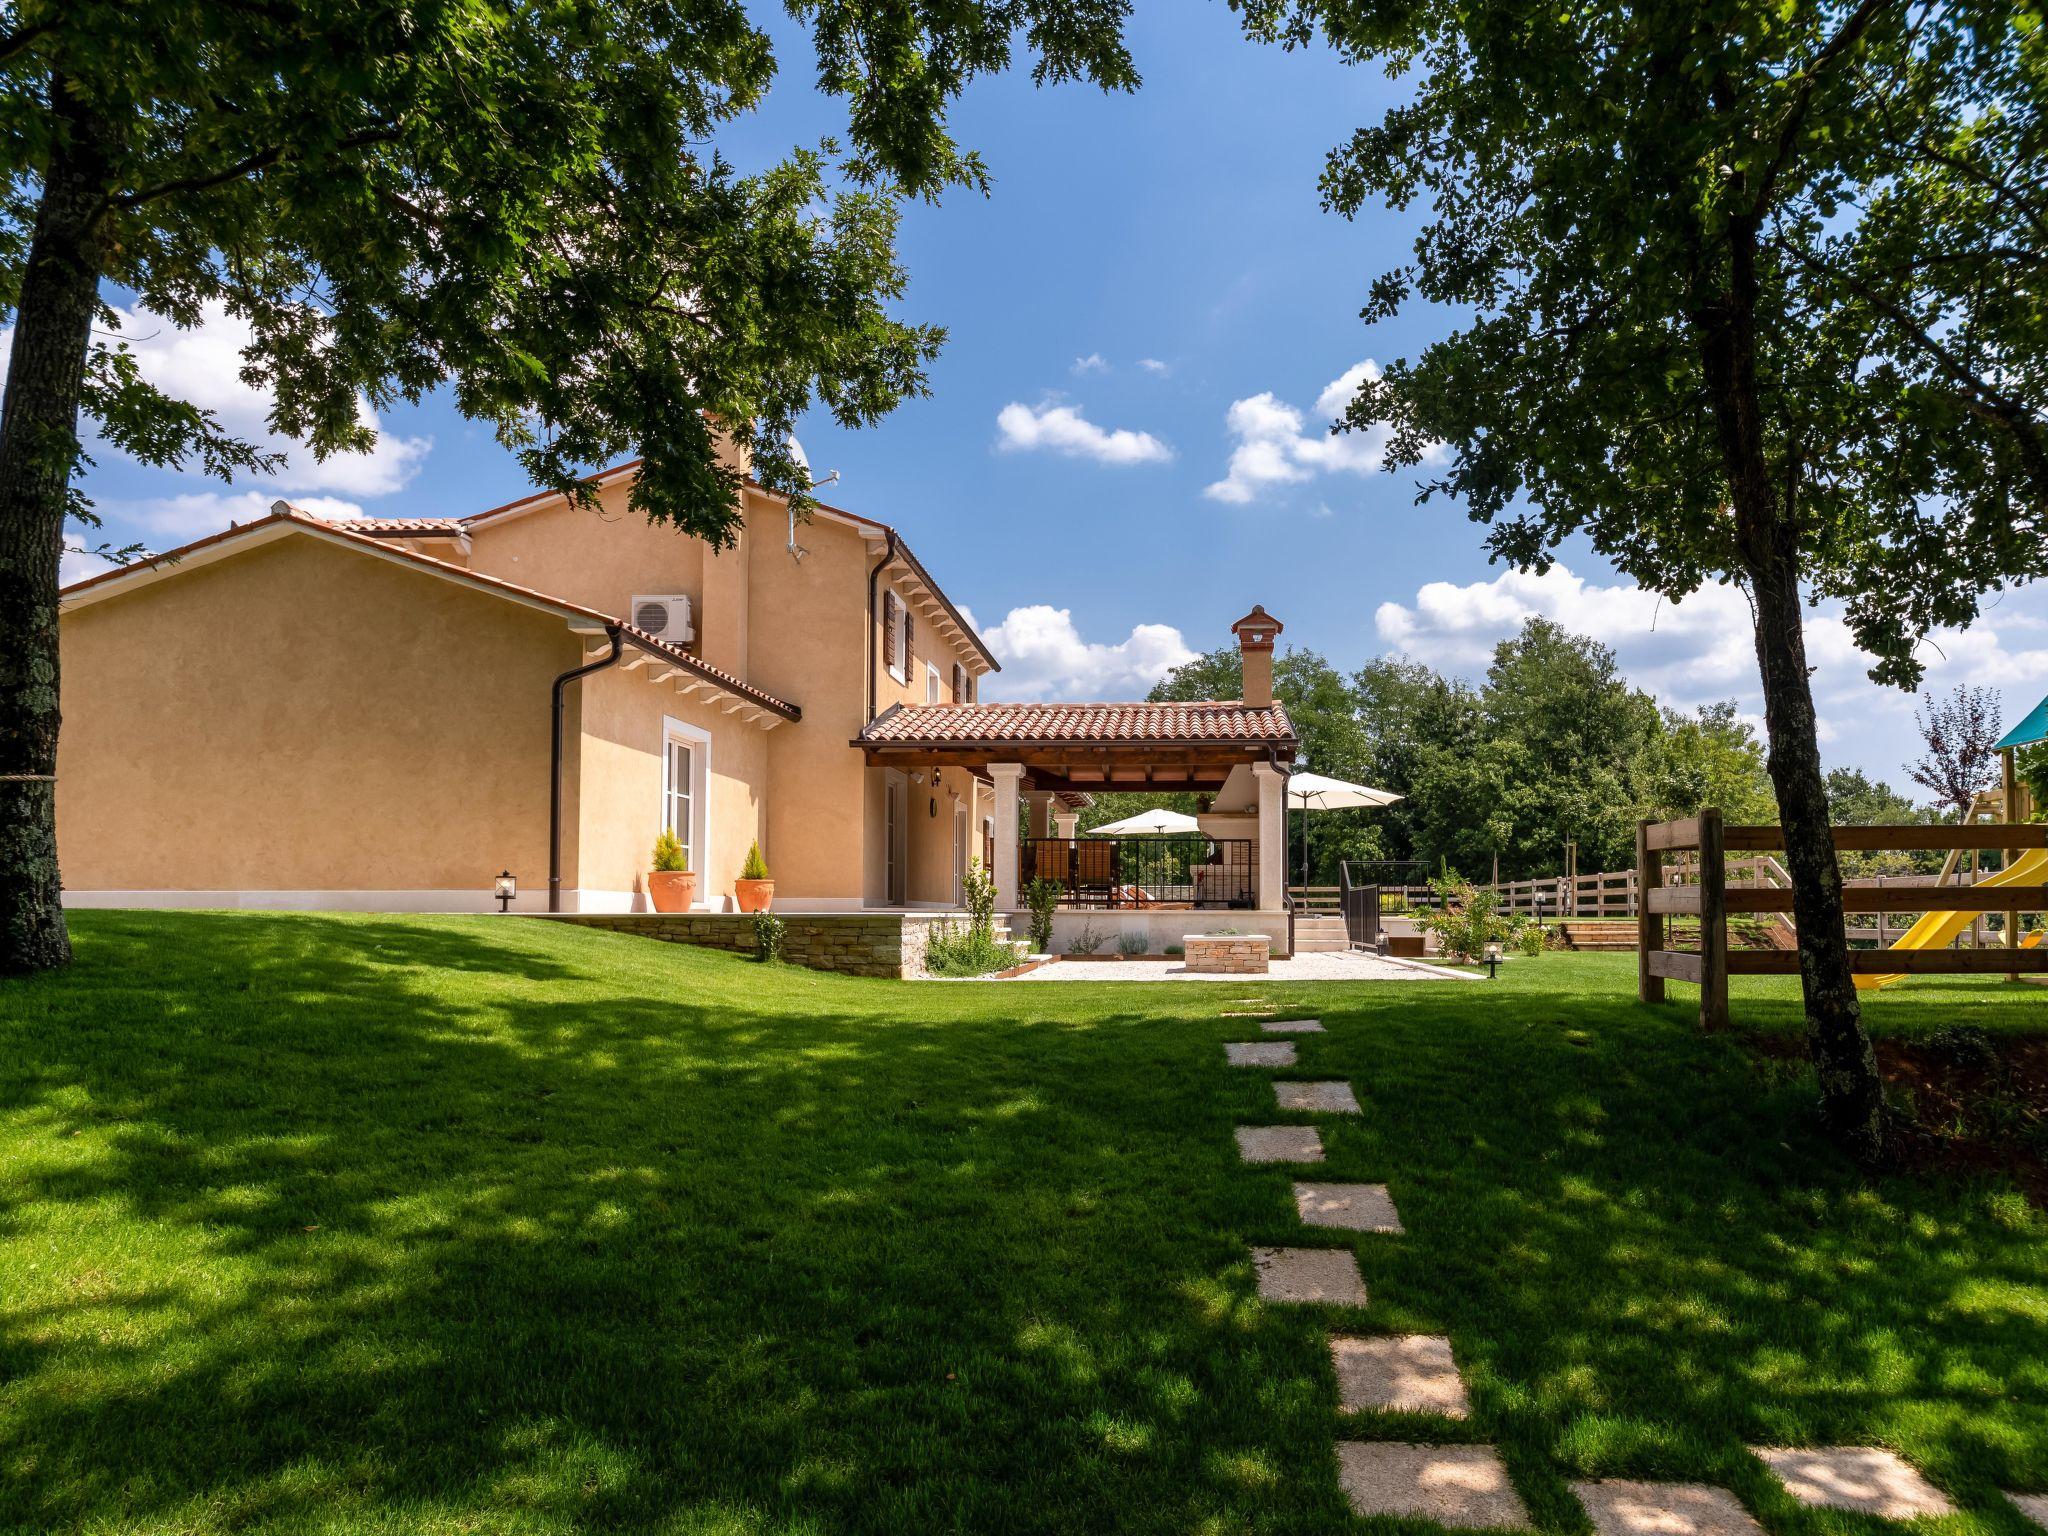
<point>382,1224</point>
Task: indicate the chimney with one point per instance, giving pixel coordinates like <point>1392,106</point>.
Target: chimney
<point>1255,633</point>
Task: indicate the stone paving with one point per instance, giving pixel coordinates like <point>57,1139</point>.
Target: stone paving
<point>1293,1026</point>
<point>1411,1373</point>
<point>1279,1143</point>
<point>1864,1479</point>
<point>1459,1485</point>
<point>1319,1098</point>
<point>1326,1275</point>
<point>2034,1506</point>
<point>1619,1507</point>
<point>1354,1207</point>
<point>1260,1053</point>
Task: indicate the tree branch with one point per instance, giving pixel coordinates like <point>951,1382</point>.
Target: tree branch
<point>1846,37</point>
<point>249,165</point>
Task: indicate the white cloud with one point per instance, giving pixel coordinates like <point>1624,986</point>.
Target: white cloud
<point>1044,657</point>
<point>1094,362</point>
<point>166,521</point>
<point>1702,650</point>
<point>1063,429</point>
<point>78,564</point>
<point>1276,444</point>
<point>1155,367</point>
<point>204,365</point>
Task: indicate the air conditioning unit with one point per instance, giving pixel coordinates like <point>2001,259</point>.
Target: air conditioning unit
<point>665,618</point>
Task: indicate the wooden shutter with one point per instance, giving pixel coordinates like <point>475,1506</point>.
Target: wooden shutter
<point>909,643</point>
<point>888,629</point>
<point>973,689</point>
<point>959,683</point>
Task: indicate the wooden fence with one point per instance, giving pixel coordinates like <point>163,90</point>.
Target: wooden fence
<point>1711,899</point>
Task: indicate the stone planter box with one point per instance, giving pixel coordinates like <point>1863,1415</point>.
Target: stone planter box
<point>1227,954</point>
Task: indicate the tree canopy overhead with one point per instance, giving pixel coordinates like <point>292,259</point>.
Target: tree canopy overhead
<point>1756,293</point>
<point>524,202</point>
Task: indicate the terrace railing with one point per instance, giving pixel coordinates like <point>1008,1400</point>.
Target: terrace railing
<point>1195,871</point>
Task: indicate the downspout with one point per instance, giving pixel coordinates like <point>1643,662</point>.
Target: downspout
<point>874,646</point>
<point>618,640</point>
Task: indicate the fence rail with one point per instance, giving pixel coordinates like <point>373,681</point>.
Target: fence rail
<point>1195,871</point>
<point>1710,899</point>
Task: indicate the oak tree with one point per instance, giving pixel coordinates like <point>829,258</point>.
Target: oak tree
<point>1749,293</point>
<point>524,202</point>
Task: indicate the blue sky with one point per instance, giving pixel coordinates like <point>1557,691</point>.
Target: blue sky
<point>1125,445</point>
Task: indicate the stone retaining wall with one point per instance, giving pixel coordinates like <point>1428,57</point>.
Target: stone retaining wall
<point>856,943</point>
<point>1217,954</point>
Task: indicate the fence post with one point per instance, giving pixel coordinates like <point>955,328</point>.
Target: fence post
<point>1713,921</point>
<point>1649,925</point>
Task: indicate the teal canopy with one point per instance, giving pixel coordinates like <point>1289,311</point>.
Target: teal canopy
<point>2030,730</point>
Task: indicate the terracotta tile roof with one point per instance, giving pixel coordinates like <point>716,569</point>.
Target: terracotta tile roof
<point>401,527</point>
<point>1227,722</point>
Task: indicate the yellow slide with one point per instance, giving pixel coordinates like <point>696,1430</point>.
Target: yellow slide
<point>1937,930</point>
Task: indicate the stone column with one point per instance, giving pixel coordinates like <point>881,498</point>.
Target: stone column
<point>1064,823</point>
<point>1040,803</point>
<point>1272,836</point>
<point>1007,777</point>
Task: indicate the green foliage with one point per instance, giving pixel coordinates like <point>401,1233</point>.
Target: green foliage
<point>769,931</point>
<point>1088,939</point>
<point>978,896</point>
<point>755,867</point>
<point>1855,800</point>
<point>669,857</point>
<point>1130,943</point>
<point>1531,940</point>
<point>1467,918</point>
<point>956,949</point>
<point>1042,896</point>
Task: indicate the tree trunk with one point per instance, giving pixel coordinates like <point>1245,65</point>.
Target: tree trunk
<point>1767,545</point>
<point>38,453</point>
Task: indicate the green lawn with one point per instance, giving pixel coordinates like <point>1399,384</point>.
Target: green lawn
<point>333,1224</point>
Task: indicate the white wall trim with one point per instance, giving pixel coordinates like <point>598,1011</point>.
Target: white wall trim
<point>699,741</point>
<point>346,901</point>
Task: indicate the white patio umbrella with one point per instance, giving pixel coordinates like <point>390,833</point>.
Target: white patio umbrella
<point>1319,792</point>
<point>1158,820</point>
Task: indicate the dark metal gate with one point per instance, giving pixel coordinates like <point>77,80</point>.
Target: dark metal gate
<point>1361,904</point>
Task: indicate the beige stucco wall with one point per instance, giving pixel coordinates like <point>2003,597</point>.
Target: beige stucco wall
<point>601,557</point>
<point>615,788</point>
<point>302,718</point>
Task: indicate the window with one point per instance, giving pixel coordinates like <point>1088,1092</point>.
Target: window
<point>897,636</point>
<point>685,772</point>
<point>931,683</point>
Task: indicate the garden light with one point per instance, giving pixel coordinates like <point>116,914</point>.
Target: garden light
<point>505,890</point>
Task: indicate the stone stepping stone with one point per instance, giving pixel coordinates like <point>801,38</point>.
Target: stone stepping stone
<point>1248,1013</point>
<point>1260,1053</point>
<point>1620,1507</point>
<point>1354,1207</point>
<point>1409,1373</point>
<point>1321,1098</point>
<point>2034,1506</point>
<point>1457,1485</point>
<point>1864,1479</point>
<point>1328,1275</point>
<point>1293,1026</point>
<point>1279,1143</point>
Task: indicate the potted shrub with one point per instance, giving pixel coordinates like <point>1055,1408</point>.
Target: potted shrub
<point>753,891</point>
<point>671,887</point>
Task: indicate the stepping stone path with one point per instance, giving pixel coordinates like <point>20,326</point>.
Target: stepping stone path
<point>1355,1207</point>
<point>2034,1506</point>
<point>1864,1479</point>
<point>1619,1507</point>
<point>1293,1026</point>
<point>1328,1275</point>
<point>1322,1098</point>
<point>1279,1143</point>
<point>1460,1485</point>
<point>1260,1053</point>
<point>1412,1373</point>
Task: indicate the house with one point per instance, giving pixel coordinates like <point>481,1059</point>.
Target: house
<point>384,714</point>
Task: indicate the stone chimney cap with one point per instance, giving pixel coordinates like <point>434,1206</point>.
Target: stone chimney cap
<point>1257,629</point>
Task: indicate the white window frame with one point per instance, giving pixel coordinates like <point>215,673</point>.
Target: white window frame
<point>698,740</point>
<point>899,638</point>
<point>934,685</point>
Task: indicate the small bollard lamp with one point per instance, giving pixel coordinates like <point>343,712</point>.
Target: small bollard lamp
<point>505,890</point>
<point>1493,962</point>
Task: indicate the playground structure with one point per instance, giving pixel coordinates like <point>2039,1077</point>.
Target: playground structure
<point>1923,951</point>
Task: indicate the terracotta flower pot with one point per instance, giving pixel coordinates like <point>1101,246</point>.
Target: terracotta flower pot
<point>753,895</point>
<point>672,890</point>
